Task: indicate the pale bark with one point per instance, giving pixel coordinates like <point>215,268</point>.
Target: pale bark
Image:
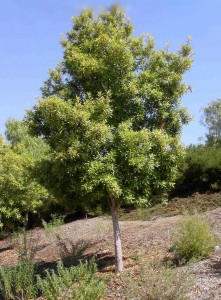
<point>114,206</point>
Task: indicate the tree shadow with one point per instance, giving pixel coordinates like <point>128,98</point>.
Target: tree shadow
<point>5,248</point>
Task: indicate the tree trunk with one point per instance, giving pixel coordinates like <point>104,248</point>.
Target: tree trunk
<point>114,206</point>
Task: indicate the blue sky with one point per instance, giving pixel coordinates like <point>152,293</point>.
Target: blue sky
<point>30,32</point>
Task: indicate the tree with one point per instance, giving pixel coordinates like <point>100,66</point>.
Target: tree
<point>111,114</point>
<point>212,121</point>
<point>201,171</point>
<point>20,193</point>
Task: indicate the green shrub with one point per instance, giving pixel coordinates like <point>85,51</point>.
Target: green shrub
<point>194,239</point>
<point>19,282</point>
<point>72,283</point>
<point>159,283</point>
<point>201,171</point>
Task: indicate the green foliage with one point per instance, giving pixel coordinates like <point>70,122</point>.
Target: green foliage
<point>212,121</point>
<point>201,171</point>
<point>159,283</point>
<point>101,161</point>
<point>194,239</point>
<point>19,191</point>
<point>18,282</point>
<point>111,114</point>
<point>77,282</point>
<point>72,283</point>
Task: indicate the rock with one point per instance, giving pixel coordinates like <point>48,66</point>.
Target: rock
<point>216,248</point>
<point>154,218</point>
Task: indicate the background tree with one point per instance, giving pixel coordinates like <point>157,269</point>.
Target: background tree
<point>201,171</point>
<point>20,193</point>
<point>111,115</point>
<point>212,121</point>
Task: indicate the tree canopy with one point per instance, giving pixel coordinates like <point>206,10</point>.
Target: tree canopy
<point>211,119</point>
<point>111,114</point>
<point>20,193</point>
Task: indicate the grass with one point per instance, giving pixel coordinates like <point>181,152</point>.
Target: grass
<point>176,206</point>
<point>158,282</point>
<point>194,238</point>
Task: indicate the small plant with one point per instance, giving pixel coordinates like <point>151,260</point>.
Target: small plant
<point>159,283</point>
<point>18,282</point>
<point>194,239</point>
<point>25,245</point>
<point>69,249</point>
<point>72,283</point>
<point>52,226</point>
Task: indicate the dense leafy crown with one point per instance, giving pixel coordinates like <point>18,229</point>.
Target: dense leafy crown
<point>212,121</point>
<point>111,112</point>
<point>19,191</point>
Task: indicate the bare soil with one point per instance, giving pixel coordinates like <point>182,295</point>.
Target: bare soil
<point>94,237</point>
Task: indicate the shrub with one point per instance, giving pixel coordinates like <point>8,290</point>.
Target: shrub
<point>72,283</point>
<point>19,282</point>
<point>159,283</point>
<point>194,239</point>
<point>201,171</point>
<point>72,251</point>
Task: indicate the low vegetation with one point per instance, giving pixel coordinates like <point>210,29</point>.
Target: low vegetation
<point>18,282</point>
<point>76,282</point>
<point>194,239</point>
<point>177,206</point>
<point>72,283</point>
<point>159,282</point>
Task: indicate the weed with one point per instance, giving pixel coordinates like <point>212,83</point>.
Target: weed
<point>69,249</point>
<point>25,245</point>
<point>194,239</point>
<point>159,283</point>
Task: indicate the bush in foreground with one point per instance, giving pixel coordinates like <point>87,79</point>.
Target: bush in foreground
<point>72,283</point>
<point>77,282</point>
<point>194,239</point>
<point>19,282</point>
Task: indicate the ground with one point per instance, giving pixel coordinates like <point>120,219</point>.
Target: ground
<point>140,239</point>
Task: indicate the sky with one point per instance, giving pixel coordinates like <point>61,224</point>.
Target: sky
<point>30,32</point>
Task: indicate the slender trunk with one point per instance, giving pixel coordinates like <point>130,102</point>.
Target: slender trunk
<point>114,206</point>
<point>26,220</point>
